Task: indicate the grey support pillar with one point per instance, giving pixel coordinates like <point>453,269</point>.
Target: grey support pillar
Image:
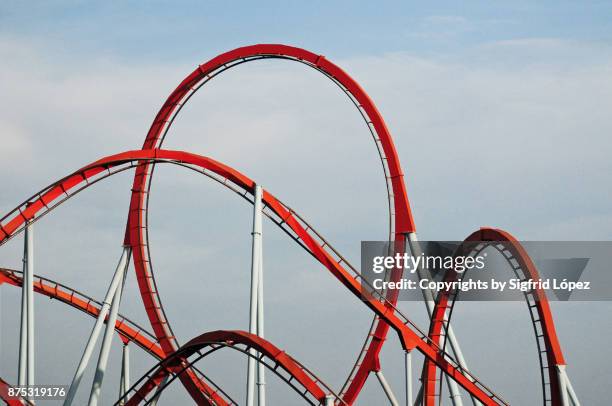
<point>255,271</point>
<point>570,390</point>
<point>261,369</point>
<point>26,335</point>
<point>158,392</point>
<point>124,382</point>
<point>97,328</point>
<point>385,385</point>
<point>29,236</point>
<point>107,340</point>
<point>562,385</point>
<point>429,300</point>
<point>408,366</point>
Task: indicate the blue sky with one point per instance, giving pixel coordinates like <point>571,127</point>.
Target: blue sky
<point>164,31</point>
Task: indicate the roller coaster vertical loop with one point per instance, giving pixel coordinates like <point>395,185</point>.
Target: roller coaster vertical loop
<point>400,216</point>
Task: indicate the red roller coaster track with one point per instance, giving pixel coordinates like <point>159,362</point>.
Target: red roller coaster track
<point>128,330</point>
<point>549,349</point>
<point>400,216</point>
<point>308,385</point>
<point>164,345</point>
<point>410,337</point>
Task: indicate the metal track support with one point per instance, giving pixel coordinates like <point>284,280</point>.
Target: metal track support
<point>261,369</point>
<point>159,390</point>
<point>570,390</point>
<point>107,341</point>
<point>97,328</point>
<point>385,385</point>
<point>408,366</point>
<point>453,388</point>
<point>254,297</point>
<point>26,335</point>
<point>563,385</point>
<point>124,382</point>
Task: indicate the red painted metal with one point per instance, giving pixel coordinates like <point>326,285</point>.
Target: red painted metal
<point>403,221</point>
<point>10,400</point>
<point>127,330</point>
<point>386,314</point>
<point>444,303</point>
<point>383,309</point>
<point>230,338</point>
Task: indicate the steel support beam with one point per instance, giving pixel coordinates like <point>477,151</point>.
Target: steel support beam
<point>29,237</point>
<point>255,278</point>
<point>565,386</point>
<point>385,385</point>
<point>455,394</point>
<point>159,391</point>
<point>22,376</point>
<point>570,390</point>
<point>26,334</point>
<point>562,385</point>
<point>97,328</point>
<point>107,341</point>
<point>408,366</point>
<point>261,369</point>
<point>124,380</point>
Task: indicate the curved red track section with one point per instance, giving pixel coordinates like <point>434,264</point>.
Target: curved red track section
<point>231,338</point>
<point>410,336</point>
<point>386,314</point>
<point>547,332</point>
<point>128,331</point>
<point>136,230</point>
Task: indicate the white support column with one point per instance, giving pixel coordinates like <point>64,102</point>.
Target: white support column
<point>124,382</point>
<point>22,377</point>
<point>261,369</point>
<point>562,385</point>
<point>329,400</point>
<point>107,341</point>
<point>23,334</point>
<point>97,328</point>
<point>408,365</point>
<point>29,236</point>
<point>429,300</point>
<point>158,392</point>
<point>570,390</point>
<point>26,335</point>
<point>255,270</point>
<point>386,388</point>
<point>453,387</point>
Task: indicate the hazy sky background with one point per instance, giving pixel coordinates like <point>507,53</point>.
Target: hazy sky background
<point>501,117</point>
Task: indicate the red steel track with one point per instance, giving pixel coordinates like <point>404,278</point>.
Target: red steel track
<point>400,216</point>
<point>409,334</point>
<point>10,400</point>
<point>296,375</point>
<point>174,357</point>
<point>549,350</point>
<point>128,330</point>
